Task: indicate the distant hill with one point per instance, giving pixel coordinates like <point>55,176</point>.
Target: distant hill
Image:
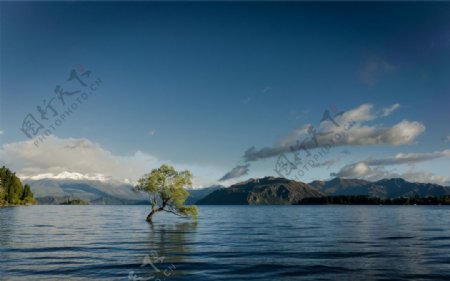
<point>58,191</point>
<point>338,186</point>
<point>268,190</point>
<point>386,188</point>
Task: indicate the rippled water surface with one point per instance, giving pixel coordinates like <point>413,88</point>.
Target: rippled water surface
<point>227,243</point>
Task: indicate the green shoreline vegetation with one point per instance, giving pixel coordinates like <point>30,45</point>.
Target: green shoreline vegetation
<point>75,201</point>
<point>12,191</point>
<point>366,200</point>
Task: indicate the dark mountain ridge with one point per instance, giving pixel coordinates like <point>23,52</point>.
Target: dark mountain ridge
<point>281,191</point>
<point>267,190</point>
<point>385,188</point>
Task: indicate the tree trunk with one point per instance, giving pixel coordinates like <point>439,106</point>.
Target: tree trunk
<point>150,216</point>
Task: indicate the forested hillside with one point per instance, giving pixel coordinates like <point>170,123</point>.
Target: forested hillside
<point>12,191</point>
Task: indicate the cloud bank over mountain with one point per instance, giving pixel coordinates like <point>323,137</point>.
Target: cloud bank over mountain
<point>374,169</point>
<point>73,158</point>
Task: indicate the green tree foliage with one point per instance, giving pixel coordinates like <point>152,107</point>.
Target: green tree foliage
<point>166,189</point>
<point>12,192</point>
<point>75,201</point>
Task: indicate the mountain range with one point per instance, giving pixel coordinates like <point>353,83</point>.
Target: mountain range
<point>267,190</point>
<point>57,191</point>
<point>95,192</point>
<point>385,188</point>
<point>281,191</point>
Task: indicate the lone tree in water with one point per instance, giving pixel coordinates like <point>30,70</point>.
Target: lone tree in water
<point>166,189</point>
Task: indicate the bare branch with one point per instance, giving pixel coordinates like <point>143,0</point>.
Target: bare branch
<point>173,212</point>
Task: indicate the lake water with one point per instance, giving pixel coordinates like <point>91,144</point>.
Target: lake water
<point>227,243</point>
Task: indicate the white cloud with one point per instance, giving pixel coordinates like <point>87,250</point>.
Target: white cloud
<point>82,159</point>
<point>374,169</point>
<point>238,171</point>
<point>1,132</point>
<point>69,175</point>
<point>56,156</point>
<point>409,158</point>
<point>378,173</point>
<point>329,134</point>
<point>152,132</point>
<point>356,170</point>
<point>426,177</point>
<point>362,113</point>
<point>388,110</point>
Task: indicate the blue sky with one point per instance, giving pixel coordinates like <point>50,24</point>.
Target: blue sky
<point>198,84</point>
